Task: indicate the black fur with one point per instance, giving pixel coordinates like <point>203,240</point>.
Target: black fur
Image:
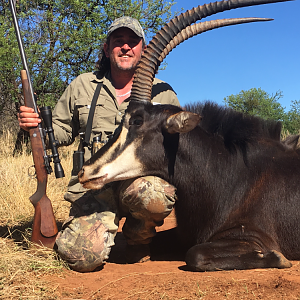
<point>237,185</point>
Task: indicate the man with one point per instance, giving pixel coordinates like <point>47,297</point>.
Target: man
<point>87,236</point>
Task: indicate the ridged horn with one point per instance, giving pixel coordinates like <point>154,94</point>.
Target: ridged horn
<point>156,49</point>
<point>198,28</point>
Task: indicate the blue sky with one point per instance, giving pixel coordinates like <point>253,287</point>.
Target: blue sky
<point>224,61</point>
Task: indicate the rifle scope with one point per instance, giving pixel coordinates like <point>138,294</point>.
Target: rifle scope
<point>47,117</point>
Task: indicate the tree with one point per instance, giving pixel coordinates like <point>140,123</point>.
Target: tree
<point>9,94</point>
<point>258,103</point>
<point>62,39</point>
<point>292,124</point>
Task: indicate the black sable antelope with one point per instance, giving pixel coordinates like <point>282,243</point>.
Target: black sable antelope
<point>238,186</point>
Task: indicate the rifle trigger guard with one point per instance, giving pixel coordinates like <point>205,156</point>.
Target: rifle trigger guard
<point>31,174</point>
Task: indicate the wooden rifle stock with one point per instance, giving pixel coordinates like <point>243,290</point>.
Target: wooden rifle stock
<point>44,229</point>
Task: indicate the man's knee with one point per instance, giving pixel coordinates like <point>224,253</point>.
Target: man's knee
<point>149,193</point>
<point>85,242</point>
<point>84,204</point>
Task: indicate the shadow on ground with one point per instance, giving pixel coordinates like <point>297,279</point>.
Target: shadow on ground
<point>165,246</point>
<point>20,233</point>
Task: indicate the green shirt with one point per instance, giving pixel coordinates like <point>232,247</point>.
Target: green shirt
<point>71,111</point>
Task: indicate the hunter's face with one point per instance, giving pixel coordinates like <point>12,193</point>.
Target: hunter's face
<point>124,50</point>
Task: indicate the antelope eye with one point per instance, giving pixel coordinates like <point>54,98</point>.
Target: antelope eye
<point>137,121</point>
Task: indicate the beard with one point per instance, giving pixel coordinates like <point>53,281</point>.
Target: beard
<point>124,66</point>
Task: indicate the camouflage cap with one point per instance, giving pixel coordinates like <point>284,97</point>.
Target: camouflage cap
<point>127,22</point>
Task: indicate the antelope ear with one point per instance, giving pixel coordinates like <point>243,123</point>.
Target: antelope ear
<point>182,122</point>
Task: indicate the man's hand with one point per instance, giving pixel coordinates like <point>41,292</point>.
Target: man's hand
<point>28,118</point>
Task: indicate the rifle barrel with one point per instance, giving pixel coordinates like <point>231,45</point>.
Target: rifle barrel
<point>21,48</point>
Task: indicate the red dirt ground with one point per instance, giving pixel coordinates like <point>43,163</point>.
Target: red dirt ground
<point>164,277</point>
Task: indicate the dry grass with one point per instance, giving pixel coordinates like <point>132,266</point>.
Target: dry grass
<point>21,270</point>
<point>21,265</point>
<point>17,185</point>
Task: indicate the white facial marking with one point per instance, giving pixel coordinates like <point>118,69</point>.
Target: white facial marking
<point>126,165</point>
<point>123,136</point>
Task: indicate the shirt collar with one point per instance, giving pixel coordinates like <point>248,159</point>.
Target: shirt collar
<point>107,81</point>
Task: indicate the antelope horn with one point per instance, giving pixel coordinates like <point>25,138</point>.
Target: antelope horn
<point>148,65</point>
<point>198,28</point>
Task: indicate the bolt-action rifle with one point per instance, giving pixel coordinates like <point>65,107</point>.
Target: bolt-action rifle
<point>44,229</point>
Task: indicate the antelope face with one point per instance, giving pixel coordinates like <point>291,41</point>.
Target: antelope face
<point>123,157</point>
<point>140,145</point>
